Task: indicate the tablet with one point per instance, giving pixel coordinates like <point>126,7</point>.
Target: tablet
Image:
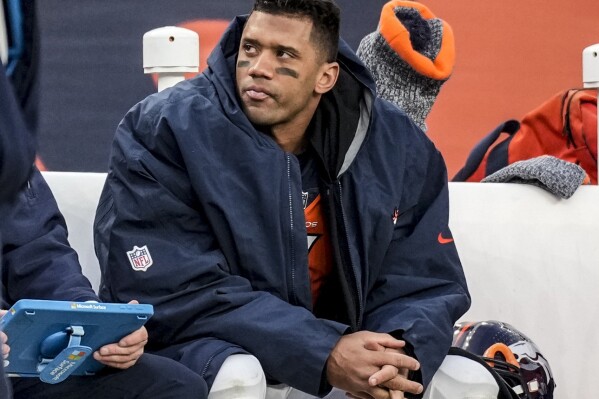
<point>55,339</point>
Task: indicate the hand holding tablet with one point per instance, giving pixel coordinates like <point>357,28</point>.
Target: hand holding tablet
<point>55,339</point>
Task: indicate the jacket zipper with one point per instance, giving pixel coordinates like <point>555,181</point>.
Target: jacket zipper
<point>292,231</point>
<point>351,263</point>
<point>205,369</point>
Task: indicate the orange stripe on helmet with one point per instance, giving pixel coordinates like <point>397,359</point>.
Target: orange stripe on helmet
<point>463,330</point>
<point>504,350</point>
<point>398,38</point>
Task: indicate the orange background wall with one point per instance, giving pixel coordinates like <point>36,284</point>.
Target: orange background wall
<point>511,57</point>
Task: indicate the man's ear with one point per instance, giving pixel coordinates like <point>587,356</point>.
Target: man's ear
<point>328,77</point>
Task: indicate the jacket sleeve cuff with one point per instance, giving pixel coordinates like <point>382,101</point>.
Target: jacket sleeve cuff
<point>412,375</point>
<point>325,386</point>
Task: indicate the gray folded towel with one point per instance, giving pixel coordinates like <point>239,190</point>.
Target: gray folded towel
<point>555,175</point>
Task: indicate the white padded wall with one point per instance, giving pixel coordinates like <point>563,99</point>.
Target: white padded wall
<point>532,260</point>
<point>77,196</point>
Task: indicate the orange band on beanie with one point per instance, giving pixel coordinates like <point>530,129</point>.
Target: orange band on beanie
<point>398,38</point>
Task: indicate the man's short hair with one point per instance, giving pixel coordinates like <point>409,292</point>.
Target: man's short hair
<point>324,15</point>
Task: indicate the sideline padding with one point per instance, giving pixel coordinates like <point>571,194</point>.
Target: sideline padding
<point>77,195</point>
<point>531,260</point>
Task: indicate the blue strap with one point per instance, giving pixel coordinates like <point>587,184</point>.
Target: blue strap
<point>53,371</point>
<point>478,153</point>
<point>17,37</point>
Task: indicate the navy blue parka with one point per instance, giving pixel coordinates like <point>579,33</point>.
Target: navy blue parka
<point>16,158</point>
<point>217,205</point>
<point>16,142</point>
<point>38,261</point>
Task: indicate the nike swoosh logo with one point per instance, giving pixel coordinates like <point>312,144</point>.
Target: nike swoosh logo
<point>443,240</point>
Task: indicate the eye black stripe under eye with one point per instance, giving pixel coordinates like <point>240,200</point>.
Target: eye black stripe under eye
<point>287,72</point>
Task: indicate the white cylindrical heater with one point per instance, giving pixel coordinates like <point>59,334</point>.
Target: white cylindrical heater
<point>170,52</point>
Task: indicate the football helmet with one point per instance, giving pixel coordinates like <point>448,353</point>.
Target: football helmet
<point>511,354</point>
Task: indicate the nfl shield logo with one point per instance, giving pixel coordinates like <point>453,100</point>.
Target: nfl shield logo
<point>140,258</point>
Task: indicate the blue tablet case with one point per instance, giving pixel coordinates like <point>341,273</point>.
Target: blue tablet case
<point>55,339</point>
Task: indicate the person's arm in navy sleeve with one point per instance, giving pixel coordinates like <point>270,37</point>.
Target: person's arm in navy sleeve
<point>38,261</point>
<point>16,142</point>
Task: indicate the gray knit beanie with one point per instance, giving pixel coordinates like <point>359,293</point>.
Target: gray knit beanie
<point>410,55</point>
<point>555,175</point>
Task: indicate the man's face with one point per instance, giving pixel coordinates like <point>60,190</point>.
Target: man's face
<point>277,70</point>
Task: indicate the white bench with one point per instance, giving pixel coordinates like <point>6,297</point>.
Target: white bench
<point>530,259</point>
